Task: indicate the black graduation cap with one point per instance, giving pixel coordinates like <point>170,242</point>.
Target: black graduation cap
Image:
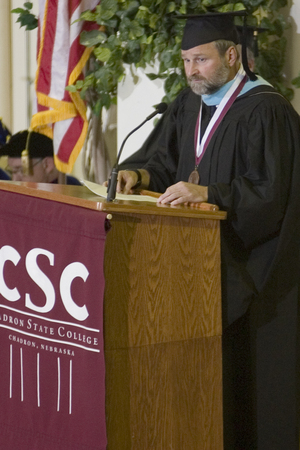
<point>204,28</point>
<point>37,145</point>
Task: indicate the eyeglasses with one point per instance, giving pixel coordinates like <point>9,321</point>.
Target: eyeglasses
<point>21,170</point>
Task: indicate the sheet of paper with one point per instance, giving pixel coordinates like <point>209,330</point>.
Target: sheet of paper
<point>100,190</point>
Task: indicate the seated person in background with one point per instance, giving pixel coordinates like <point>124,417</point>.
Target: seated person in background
<point>4,134</point>
<point>39,166</point>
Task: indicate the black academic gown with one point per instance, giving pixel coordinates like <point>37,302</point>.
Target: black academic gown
<point>252,170</point>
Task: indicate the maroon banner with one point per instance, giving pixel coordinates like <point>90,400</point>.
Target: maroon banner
<point>52,390</point>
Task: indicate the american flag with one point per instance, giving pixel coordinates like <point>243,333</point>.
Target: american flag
<point>61,58</point>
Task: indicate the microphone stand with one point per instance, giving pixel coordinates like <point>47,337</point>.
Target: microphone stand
<point>113,179</point>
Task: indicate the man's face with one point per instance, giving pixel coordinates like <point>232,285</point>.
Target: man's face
<point>206,71</point>
<point>19,174</point>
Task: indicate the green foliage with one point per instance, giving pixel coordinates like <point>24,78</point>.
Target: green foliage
<point>296,82</point>
<point>144,33</point>
<point>26,19</point>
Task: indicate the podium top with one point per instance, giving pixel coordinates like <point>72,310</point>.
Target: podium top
<point>82,197</point>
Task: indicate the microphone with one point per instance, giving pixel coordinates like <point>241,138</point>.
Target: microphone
<point>113,179</point>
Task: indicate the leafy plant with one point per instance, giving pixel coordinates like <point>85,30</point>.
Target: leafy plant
<point>26,18</point>
<point>141,33</point>
<point>144,33</point>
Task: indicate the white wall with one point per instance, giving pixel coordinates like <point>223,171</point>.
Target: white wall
<point>135,103</point>
<point>23,64</point>
<point>5,66</point>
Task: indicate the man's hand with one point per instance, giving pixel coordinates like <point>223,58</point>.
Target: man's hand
<point>187,193</point>
<point>127,179</point>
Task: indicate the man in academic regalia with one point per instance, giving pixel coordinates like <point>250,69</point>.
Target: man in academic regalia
<point>232,140</point>
<point>30,158</point>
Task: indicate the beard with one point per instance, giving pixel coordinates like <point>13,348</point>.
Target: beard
<point>202,86</point>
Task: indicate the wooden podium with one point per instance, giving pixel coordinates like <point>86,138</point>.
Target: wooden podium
<point>162,321</point>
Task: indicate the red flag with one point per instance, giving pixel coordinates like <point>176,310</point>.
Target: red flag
<point>61,58</point>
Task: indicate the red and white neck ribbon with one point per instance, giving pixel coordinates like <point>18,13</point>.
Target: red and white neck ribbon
<point>226,102</point>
